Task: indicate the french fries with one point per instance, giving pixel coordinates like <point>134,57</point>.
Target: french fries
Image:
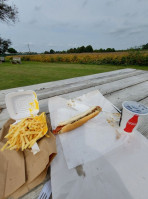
<point>24,134</point>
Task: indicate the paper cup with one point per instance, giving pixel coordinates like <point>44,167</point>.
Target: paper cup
<point>130,115</point>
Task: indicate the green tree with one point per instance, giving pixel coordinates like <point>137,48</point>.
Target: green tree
<point>52,51</point>
<point>110,50</point>
<point>11,50</point>
<point>8,13</point>
<point>89,48</point>
<point>145,47</point>
<point>101,50</point>
<point>71,50</point>
<point>4,45</point>
<point>46,52</point>
<point>81,49</point>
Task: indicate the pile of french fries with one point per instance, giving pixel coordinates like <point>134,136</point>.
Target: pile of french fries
<point>24,134</point>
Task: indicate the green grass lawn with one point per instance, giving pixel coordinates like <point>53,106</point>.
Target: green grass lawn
<point>28,73</point>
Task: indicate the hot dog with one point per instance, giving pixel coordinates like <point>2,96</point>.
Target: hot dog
<point>77,120</point>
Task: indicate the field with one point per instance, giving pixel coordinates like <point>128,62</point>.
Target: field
<point>115,58</point>
<point>30,72</point>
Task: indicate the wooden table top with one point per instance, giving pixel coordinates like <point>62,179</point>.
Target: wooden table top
<point>117,86</point>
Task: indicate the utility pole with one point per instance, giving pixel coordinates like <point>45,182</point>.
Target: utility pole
<point>29,48</point>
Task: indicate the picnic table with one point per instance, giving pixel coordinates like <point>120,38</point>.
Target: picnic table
<point>2,59</point>
<point>16,60</point>
<point>117,86</point>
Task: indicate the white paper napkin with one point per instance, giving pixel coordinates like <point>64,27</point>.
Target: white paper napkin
<point>94,138</point>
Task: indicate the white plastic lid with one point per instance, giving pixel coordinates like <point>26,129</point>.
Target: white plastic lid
<point>22,104</point>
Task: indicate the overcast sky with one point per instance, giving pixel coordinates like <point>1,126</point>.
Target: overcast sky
<point>62,24</point>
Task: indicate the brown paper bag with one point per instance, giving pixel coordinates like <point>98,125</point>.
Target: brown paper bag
<point>26,187</point>
<point>3,171</point>
<point>14,173</point>
<point>22,171</point>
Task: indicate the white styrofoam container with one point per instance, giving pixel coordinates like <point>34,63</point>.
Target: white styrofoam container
<point>22,104</point>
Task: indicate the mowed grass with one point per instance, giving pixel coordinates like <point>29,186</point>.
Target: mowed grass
<point>28,73</point>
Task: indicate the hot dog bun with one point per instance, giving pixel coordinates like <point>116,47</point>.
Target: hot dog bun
<point>78,120</point>
<point>78,123</point>
<point>79,116</point>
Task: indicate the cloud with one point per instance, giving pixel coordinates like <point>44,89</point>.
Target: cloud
<point>134,32</point>
<point>28,43</point>
<point>52,45</point>
<point>130,15</point>
<point>119,31</point>
<point>33,21</point>
<point>142,0</point>
<point>109,3</point>
<point>37,7</point>
<point>85,2</point>
<point>112,2</point>
<point>62,24</point>
<point>129,30</point>
<point>73,45</point>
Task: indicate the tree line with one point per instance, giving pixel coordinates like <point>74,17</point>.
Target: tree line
<point>89,49</point>
<point>81,49</point>
<point>5,48</point>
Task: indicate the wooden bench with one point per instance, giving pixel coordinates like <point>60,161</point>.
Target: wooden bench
<point>2,59</point>
<point>16,60</point>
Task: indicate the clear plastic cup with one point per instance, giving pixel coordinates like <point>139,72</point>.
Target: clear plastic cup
<point>130,115</point>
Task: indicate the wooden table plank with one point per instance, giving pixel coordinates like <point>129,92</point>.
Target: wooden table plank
<point>82,85</point>
<point>92,82</point>
<point>143,127</point>
<point>74,84</point>
<point>106,88</point>
<point>132,93</point>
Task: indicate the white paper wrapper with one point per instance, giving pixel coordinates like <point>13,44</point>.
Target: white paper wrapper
<point>35,149</point>
<point>94,138</point>
<point>119,174</point>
